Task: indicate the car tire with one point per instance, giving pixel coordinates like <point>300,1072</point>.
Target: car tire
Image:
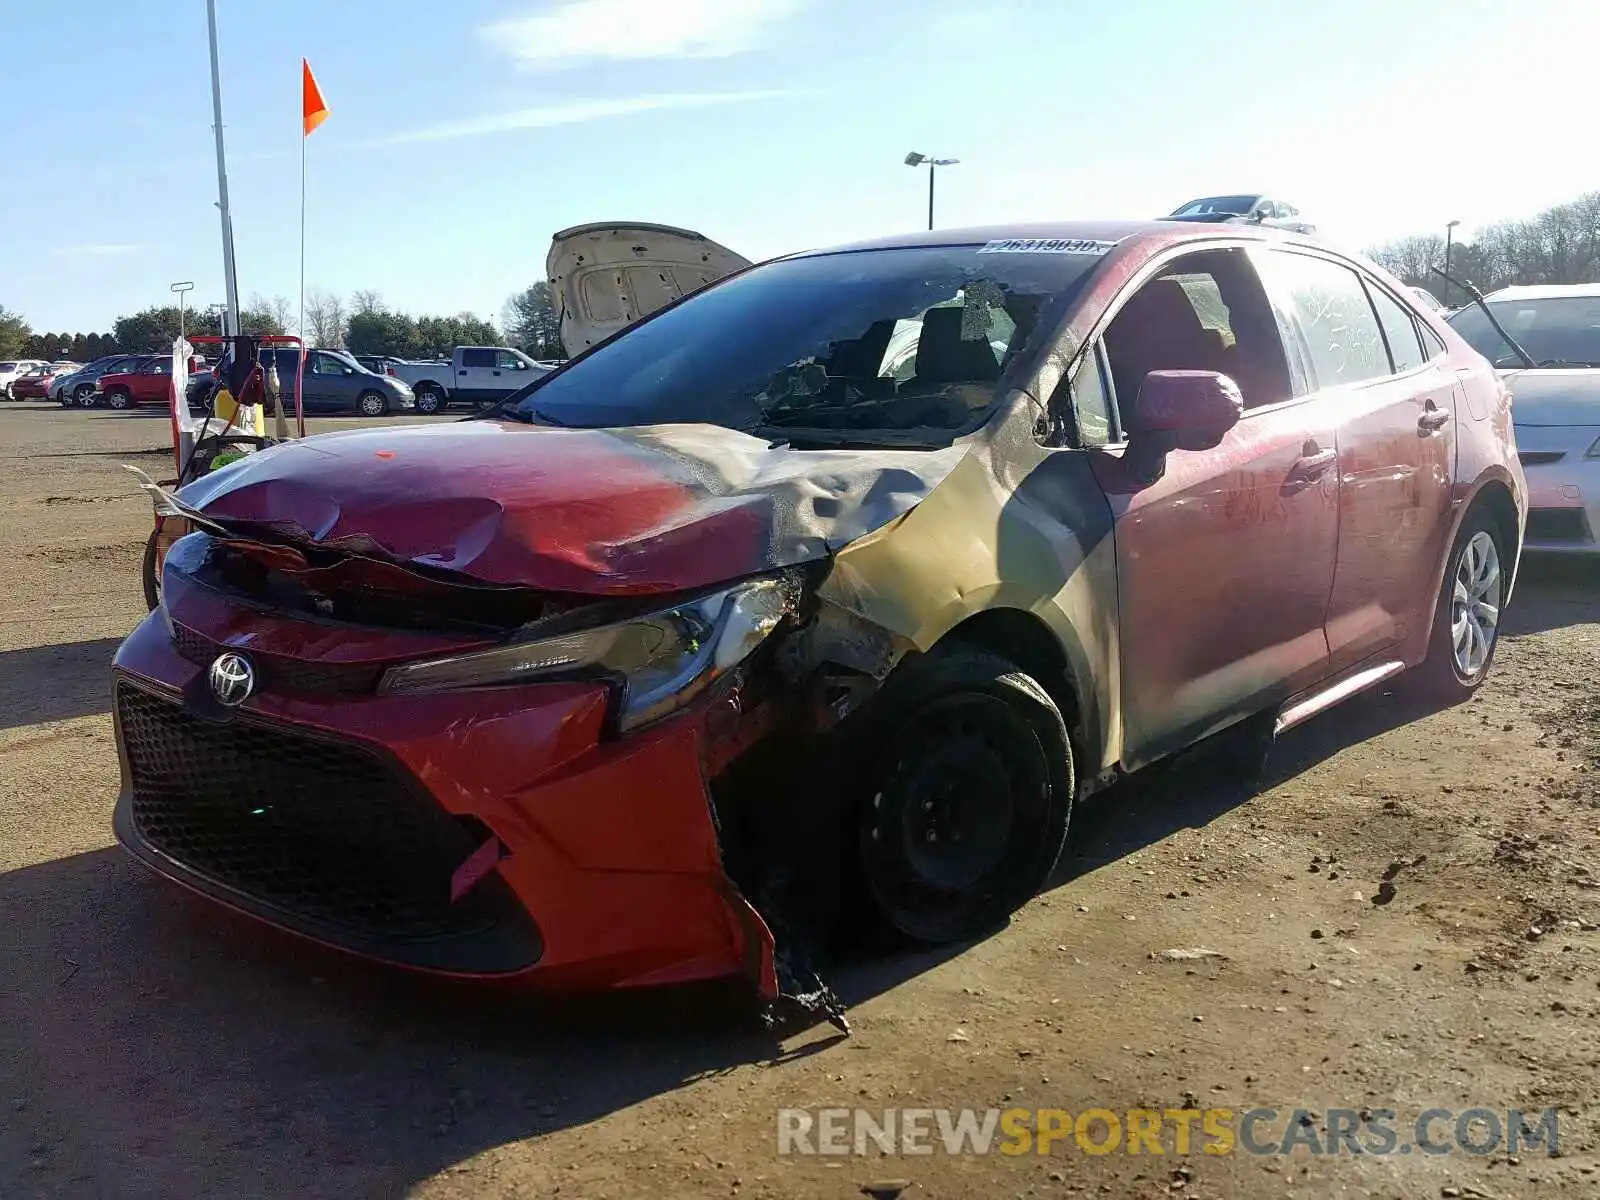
<point>430,400</point>
<point>372,404</point>
<point>964,795</point>
<point>118,400</point>
<point>1466,618</point>
<point>84,394</point>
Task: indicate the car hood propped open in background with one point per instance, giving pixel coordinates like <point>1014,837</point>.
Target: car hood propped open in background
<point>606,275</point>
<point>586,511</point>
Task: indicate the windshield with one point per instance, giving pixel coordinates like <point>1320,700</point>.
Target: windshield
<point>8,366</point>
<point>1557,331</point>
<point>1233,206</point>
<point>900,345</point>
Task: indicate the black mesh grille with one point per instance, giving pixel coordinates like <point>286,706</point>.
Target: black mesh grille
<point>1558,525</point>
<point>275,673</point>
<point>321,830</point>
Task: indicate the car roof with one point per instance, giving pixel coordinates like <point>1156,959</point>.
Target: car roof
<point>1546,291</point>
<point>1158,232</point>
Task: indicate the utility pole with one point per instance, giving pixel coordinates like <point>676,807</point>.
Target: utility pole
<point>1449,242</point>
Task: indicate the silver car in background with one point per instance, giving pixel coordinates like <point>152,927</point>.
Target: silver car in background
<point>1249,208</point>
<point>1555,404</point>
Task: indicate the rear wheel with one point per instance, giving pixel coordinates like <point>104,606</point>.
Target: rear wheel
<point>118,399</point>
<point>967,795</point>
<point>1466,620</point>
<point>430,400</point>
<point>372,404</point>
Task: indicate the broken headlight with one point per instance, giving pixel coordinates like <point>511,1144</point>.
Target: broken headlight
<point>662,659</point>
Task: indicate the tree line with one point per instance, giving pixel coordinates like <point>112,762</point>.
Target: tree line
<point>1559,245</point>
<point>360,323</point>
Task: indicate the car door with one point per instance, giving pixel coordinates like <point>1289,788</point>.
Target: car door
<point>1396,414</point>
<point>1225,563</point>
<point>475,375</point>
<point>341,383</point>
<point>153,384</point>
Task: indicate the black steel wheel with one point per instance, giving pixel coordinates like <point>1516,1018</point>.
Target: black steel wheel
<point>966,805</point>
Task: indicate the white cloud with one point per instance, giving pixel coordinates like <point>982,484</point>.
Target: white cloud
<point>577,31</point>
<point>571,112</point>
<point>101,249</point>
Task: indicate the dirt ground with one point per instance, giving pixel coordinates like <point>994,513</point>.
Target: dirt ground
<point>1406,917</point>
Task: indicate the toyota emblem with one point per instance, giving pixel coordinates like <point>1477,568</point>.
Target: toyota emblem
<point>232,679</point>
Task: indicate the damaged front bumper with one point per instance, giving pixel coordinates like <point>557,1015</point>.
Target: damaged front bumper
<point>498,833</point>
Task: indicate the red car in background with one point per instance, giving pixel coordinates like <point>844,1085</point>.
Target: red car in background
<point>36,385</point>
<point>744,624</point>
<point>150,382</point>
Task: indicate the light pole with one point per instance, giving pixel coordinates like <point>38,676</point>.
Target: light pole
<point>182,289</point>
<point>1449,244</point>
<point>933,164</point>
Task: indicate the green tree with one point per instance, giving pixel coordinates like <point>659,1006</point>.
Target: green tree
<point>80,348</point>
<point>532,323</point>
<point>13,333</point>
<point>379,332</point>
<point>33,346</point>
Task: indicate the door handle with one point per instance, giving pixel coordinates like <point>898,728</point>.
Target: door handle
<point>1433,418</point>
<point>497,374</point>
<point>1308,468</point>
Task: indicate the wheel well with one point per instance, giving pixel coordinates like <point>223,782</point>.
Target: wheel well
<point>1496,498</point>
<point>428,385</point>
<point>1027,641</point>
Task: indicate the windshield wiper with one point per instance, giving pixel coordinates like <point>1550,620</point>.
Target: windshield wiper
<point>1477,298</point>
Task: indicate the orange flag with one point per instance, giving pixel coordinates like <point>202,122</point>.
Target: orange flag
<point>316,108</point>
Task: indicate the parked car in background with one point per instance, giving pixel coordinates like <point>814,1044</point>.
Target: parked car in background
<point>376,363</point>
<point>34,385</point>
<point>475,375</point>
<point>1249,208</point>
<point>1555,404</point>
<point>78,386</point>
<point>334,382</point>
<point>145,382</point>
<point>10,372</point>
<point>572,696</point>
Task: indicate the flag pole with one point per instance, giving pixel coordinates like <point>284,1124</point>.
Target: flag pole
<point>303,141</point>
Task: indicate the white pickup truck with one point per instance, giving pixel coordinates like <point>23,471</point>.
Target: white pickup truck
<point>475,375</point>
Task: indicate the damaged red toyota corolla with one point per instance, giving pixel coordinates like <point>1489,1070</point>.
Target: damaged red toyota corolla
<point>816,597</point>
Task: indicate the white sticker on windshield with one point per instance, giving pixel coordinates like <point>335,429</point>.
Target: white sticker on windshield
<point>1046,246</point>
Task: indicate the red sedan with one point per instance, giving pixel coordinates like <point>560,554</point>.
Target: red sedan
<point>747,624</point>
<point>32,387</point>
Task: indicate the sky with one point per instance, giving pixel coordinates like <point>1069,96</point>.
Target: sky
<point>464,133</point>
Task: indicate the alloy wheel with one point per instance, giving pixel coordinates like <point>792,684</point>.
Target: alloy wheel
<point>1475,604</point>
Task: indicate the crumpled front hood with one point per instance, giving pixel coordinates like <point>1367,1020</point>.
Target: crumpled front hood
<point>588,511</point>
<point>1549,397</point>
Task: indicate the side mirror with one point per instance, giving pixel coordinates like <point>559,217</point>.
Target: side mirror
<point>1180,410</point>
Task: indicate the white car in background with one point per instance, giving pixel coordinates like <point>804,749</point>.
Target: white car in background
<point>10,372</point>
<point>1555,404</point>
<point>1249,208</point>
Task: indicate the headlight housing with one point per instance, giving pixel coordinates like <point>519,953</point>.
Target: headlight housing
<point>660,661</point>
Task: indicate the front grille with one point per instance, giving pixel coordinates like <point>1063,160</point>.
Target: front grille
<point>321,830</point>
<point>1540,458</point>
<point>1558,525</point>
<point>276,673</point>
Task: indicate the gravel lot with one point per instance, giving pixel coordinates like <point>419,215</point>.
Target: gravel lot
<point>1407,917</point>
